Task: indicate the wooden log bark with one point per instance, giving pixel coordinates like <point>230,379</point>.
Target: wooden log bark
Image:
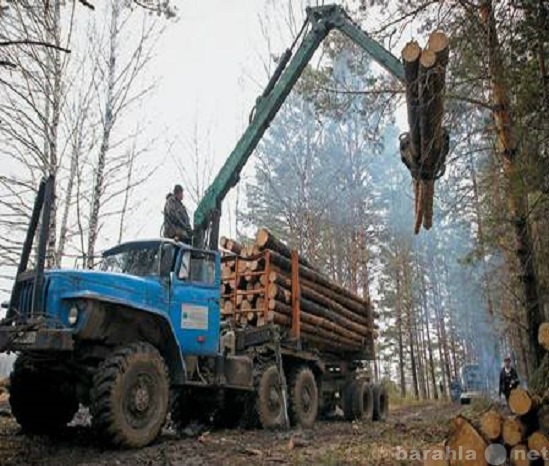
<point>307,291</point>
<point>490,424</point>
<point>521,401</point>
<point>432,75</point>
<point>410,57</point>
<point>513,431</point>
<point>264,239</point>
<point>316,309</point>
<point>233,246</point>
<point>335,332</point>
<point>330,339</point>
<point>318,279</point>
<point>543,418</point>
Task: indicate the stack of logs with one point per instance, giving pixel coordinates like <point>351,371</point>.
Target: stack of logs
<point>424,148</point>
<point>524,435</point>
<point>266,282</point>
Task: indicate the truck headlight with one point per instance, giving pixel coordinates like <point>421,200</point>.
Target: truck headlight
<point>73,315</point>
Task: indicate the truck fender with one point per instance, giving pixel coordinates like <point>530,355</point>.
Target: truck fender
<point>117,321</point>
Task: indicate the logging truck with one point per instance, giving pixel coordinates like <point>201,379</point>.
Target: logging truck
<point>161,326</point>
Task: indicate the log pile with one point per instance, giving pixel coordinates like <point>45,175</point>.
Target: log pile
<point>424,148</point>
<point>523,436</point>
<point>266,282</point>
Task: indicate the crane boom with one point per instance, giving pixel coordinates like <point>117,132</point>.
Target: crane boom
<point>322,20</point>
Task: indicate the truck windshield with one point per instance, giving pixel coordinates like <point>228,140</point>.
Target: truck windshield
<point>134,259</point>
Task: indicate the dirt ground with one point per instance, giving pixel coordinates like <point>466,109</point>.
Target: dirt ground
<point>329,443</point>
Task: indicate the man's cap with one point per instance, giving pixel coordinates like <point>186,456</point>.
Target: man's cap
<point>507,358</point>
<point>177,189</point>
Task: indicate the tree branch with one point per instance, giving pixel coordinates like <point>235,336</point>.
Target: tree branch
<point>33,42</point>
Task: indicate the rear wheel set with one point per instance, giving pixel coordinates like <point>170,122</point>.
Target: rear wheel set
<point>363,401</point>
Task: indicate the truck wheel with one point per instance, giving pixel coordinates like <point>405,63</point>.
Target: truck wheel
<point>303,398</point>
<point>269,403</point>
<point>40,400</point>
<point>363,400</point>
<point>381,403</point>
<point>130,396</point>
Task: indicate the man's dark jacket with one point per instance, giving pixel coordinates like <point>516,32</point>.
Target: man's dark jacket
<point>176,220</point>
<point>508,381</point>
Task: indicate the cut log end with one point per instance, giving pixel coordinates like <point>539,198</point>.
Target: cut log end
<point>513,431</point>
<point>438,41</point>
<point>262,237</point>
<point>520,401</point>
<point>466,438</point>
<point>411,52</point>
<point>519,456</point>
<point>543,335</point>
<point>428,58</point>
<point>490,424</point>
<point>539,443</point>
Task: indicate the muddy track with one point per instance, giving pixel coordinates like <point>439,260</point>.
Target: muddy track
<point>327,443</point>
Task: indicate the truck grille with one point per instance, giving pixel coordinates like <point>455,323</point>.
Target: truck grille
<point>23,297</point>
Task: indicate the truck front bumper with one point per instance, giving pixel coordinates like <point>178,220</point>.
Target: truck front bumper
<point>14,338</point>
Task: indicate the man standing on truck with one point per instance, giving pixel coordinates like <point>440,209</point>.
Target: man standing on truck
<point>508,378</point>
<point>176,219</point>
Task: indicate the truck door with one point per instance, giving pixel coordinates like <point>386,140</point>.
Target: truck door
<point>194,302</point>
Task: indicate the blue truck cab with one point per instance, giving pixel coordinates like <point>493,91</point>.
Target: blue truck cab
<point>168,279</point>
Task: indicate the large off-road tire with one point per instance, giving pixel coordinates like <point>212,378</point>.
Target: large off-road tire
<point>363,400</point>
<point>303,397</point>
<point>41,400</point>
<point>381,403</point>
<point>130,396</point>
<point>269,402</point>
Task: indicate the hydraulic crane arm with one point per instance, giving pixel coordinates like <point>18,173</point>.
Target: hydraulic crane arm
<point>321,21</point>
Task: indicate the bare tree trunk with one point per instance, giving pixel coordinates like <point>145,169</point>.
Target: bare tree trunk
<point>53,96</point>
<point>400,331</point>
<point>108,122</point>
<point>517,194</point>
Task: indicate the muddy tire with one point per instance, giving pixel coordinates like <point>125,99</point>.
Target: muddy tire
<point>381,403</point>
<point>363,400</point>
<point>41,401</point>
<point>269,402</point>
<point>303,398</point>
<point>130,396</point>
